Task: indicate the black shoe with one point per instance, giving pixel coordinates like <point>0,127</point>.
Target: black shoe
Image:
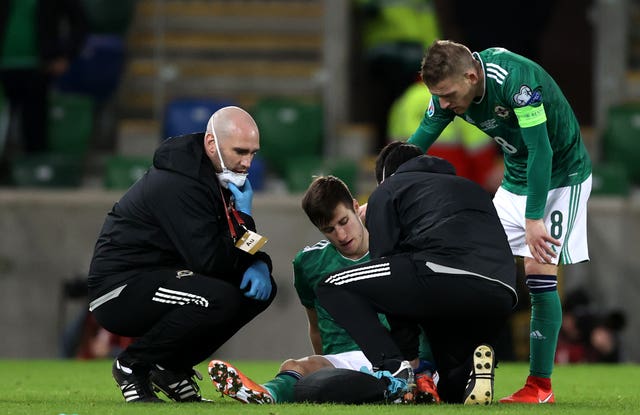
<point>479,390</point>
<point>134,387</point>
<point>178,386</point>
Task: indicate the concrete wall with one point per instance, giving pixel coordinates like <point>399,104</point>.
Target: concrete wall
<point>46,237</point>
<point>612,277</point>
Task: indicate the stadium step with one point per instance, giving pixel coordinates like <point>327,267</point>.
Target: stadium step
<point>237,49</point>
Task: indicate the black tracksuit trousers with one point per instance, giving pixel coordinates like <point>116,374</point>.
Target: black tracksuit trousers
<point>457,312</point>
<point>178,321</point>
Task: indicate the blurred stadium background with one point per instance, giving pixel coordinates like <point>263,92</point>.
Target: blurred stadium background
<point>151,69</point>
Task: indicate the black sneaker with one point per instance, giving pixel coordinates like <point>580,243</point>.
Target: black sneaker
<point>178,386</point>
<point>479,390</point>
<point>134,387</point>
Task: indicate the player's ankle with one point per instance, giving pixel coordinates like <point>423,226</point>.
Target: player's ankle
<point>540,382</point>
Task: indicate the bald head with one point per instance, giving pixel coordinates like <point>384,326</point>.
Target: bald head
<point>232,120</point>
<point>238,139</point>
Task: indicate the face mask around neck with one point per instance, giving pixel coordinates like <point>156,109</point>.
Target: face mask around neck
<point>227,176</point>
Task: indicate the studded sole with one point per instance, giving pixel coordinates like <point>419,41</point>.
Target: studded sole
<point>482,377</point>
<point>230,382</point>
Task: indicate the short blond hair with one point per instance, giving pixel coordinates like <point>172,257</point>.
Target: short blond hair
<point>444,59</point>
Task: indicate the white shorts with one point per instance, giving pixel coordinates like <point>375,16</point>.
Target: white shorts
<point>348,360</point>
<point>565,216</point>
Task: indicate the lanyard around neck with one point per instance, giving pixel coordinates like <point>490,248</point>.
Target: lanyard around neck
<point>235,214</point>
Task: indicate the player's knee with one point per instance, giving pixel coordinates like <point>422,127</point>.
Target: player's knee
<point>299,366</point>
<point>305,365</point>
<point>532,267</point>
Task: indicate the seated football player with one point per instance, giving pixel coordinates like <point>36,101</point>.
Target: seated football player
<point>332,209</point>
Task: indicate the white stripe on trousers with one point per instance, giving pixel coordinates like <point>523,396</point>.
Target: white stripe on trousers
<point>164,295</point>
<point>361,273</point>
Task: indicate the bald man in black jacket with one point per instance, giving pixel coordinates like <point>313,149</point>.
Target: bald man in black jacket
<point>169,266</point>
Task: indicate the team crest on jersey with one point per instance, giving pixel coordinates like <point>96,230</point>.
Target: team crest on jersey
<point>501,111</point>
<point>432,109</point>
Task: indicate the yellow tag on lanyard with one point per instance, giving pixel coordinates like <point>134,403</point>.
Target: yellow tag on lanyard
<point>251,242</point>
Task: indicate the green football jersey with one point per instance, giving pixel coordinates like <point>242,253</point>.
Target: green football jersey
<point>518,94</point>
<point>310,267</point>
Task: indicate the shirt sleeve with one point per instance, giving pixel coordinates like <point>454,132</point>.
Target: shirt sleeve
<point>305,292</point>
<point>533,127</point>
<point>528,95</point>
<point>434,122</point>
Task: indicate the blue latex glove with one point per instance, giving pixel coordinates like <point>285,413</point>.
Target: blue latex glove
<point>243,197</point>
<point>396,386</point>
<point>258,276</point>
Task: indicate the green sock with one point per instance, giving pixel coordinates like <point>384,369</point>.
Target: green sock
<point>425,352</point>
<point>281,387</point>
<point>546,319</point>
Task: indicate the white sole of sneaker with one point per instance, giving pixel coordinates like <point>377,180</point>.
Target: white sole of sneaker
<point>482,376</point>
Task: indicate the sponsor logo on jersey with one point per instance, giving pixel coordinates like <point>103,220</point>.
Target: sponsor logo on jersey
<point>501,111</point>
<point>488,124</point>
<point>523,96</point>
<point>432,109</point>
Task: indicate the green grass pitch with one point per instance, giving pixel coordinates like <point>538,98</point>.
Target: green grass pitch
<point>59,387</point>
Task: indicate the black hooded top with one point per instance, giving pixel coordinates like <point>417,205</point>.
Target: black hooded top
<point>441,218</point>
<point>173,217</point>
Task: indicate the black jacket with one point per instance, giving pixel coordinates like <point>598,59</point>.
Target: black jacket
<point>61,28</point>
<point>172,217</point>
<point>425,209</point>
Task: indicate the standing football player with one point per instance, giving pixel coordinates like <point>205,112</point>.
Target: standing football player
<point>542,201</point>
